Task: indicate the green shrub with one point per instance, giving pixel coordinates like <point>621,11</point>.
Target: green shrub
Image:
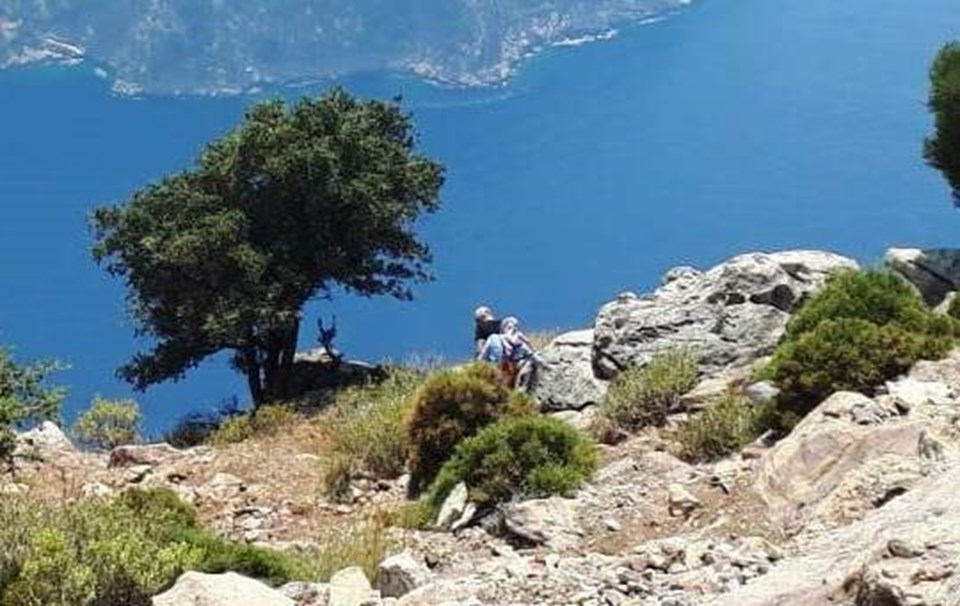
<point>98,553</point>
<point>644,395</point>
<point>877,296</point>
<point>533,457</point>
<point>418,515</point>
<point>847,355</point>
<point>367,425</point>
<point>861,329</point>
<point>722,429</point>
<point>953,308</point>
<point>108,423</point>
<point>24,399</point>
<point>266,420</point>
<point>453,405</point>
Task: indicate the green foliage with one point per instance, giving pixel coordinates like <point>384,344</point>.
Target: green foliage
<point>453,405</point>
<point>861,329</point>
<point>417,515</point>
<point>367,430</point>
<point>953,309</point>
<point>99,553</point>
<point>266,420</point>
<point>528,458</point>
<point>644,395</point>
<point>108,423</point>
<point>877,296</point>
<point>848,355</point>
<point>293,203</point>
<point>24,399</point>
<point>942,149</point>
<point>722,429</point>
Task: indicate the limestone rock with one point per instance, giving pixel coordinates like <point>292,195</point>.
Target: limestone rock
<point>45,437</point>
<point>453,506</point>
<point>826,446</point>
<point>856,565</point>
<point>350,587</point>
<point>146,454</point>
<point>307,594</point>
<point>401,574</point>
<point>681,502</point>
<point>228,589</point>
<point>566,380</point>
<point>729,316</point>
<point>934,272</point>
<point>552,522</point>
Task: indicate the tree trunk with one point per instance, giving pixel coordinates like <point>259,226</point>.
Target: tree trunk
<point>248,363</point>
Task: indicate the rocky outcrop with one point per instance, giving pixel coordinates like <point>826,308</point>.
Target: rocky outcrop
<point>934,272</point>
<point>566,381</point>
<point>401,574</point>
<point>46,437</point>
<point>228,589</point>
<point>728,316</point>
<point>905,553</point>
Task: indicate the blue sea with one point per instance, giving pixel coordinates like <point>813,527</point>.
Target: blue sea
<point>731,126</point>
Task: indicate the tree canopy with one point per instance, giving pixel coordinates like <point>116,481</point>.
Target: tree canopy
<point>24,398</point>
<point>296,201</point>
<point>942,149</point>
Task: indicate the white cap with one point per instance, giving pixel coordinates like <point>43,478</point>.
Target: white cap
<point>483,312</point>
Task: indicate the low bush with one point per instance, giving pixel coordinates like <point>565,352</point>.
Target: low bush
<point>108,423</point>
<point>645,395</point>
<point>722,429</point>
<point>453,405</point>
<point>861,329</point>
<point>267,420</point>
<point>876,296</point>
<point>197,428</point>
<point>367,425</point>
<point>105,553</point>
<point>847,355</point>
<point>529,458</point>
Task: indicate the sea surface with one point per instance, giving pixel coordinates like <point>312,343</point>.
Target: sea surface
<point>731,126</point>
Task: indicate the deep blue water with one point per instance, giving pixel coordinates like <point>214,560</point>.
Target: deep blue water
<point>734,126</point>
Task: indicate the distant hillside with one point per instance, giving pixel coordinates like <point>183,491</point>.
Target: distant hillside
<point>215,46</point>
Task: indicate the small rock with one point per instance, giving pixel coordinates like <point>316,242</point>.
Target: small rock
<point>611,524</point>
<point>899,548</point>
<point>147,454</point>
<point>307,594</point>
<point>350,587</point>
<point>681,502</point>
<point>401,574</point>
<point>14,489</point>
<point>453,506</point>
<point>762,392</point>
<point>228,589</point>
<point>95,490</point>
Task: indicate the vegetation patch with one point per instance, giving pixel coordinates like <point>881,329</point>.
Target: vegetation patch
<point>266,420</point>
<point>645,395</point>
<point>451,406</point>
<point>722,429</point>
<point>103,553</point>
<point>25,399</point>
<point>525,458</point>
<point>862,329</point>
<point>367,429</point>
<point>108,423</point>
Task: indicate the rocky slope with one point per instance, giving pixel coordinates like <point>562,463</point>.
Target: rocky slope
<point>858,505</point>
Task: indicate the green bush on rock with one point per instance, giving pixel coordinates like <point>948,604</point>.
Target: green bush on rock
<point>451,406</point>
<point>862,329</point>
<point>530,458</point>
<point>722,429</point>
<point>24,399</point>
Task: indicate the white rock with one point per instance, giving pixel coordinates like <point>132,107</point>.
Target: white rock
<point>681,501</point>
<point>401,574</point>
<point>228,589</point>
<point>46,436</point>
<point>453,506</point>
<point>350,587</point>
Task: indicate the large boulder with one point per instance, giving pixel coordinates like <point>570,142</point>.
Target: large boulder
<point>934,272</point>
<point>44,438</point>
<point>839,441</point>
<point>566,380</point>
<point>228,589</point>
<point>728,316</point>
<point>906,552</point>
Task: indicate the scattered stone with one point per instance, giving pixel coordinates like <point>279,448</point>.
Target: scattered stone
<point>401,574</point>
<point>307,594</point>
<point>13,489</point>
